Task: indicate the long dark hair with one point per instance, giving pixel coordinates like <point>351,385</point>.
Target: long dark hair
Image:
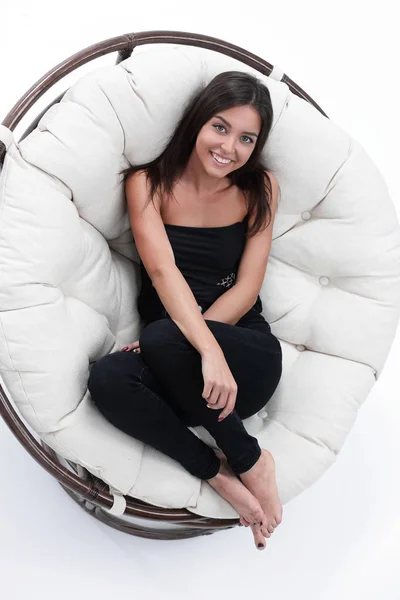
<point>226,90</point>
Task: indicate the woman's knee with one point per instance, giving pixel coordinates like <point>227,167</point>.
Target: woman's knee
<point>272,376</point>
<point>259,384</point>
<point>112,368</point>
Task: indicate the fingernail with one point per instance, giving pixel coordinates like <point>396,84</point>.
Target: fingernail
<point>261,545</point>
<point>125,348</point>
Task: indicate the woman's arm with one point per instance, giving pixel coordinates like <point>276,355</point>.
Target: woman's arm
<point>236,301</point>
<point>230,306</point>
<point>182,307</point>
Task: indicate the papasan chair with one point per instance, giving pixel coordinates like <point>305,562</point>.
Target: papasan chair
<point>70,277</point>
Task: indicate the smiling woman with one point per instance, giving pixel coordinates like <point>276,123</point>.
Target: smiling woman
<point>225,359</point>
<point>334,351</point>
<point>231,118</point>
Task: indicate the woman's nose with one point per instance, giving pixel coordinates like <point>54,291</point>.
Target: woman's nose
<point>228,148</point>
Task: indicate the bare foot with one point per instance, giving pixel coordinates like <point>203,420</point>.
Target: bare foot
<point>260,481</point>
<point>229,486</point>
<point>254,526</point>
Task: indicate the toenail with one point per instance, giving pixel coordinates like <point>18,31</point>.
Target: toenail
<point>261,545</point>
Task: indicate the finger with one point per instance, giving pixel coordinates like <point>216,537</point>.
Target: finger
<point>207,391</point>
<point>227,410</point>
<point>215,398</point>
<point>131,346</point>
<point>220,403</point>
<point>224,414</point>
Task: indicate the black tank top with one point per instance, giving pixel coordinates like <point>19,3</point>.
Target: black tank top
<point>208,258</point>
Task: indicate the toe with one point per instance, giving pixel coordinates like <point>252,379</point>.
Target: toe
<point>259,539</point>
<point>265,531</point>
<point>259,515</point>
<point>266,527</point>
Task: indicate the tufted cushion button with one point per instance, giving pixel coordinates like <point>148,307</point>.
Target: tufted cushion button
<point>306,215</point>
<point>263,414</point>
<point>324,280</point>
<point>300,347</point>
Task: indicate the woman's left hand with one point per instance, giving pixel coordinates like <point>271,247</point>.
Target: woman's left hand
<point>133,346</point>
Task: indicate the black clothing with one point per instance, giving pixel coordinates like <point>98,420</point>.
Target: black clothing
<point>208,258</point>
<point>155,396</point>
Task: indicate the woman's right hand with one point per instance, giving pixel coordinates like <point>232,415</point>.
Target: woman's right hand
<point>220,387</point>
<point>133,346</point>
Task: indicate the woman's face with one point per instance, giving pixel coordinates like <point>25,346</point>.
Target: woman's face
<point>231,135</point>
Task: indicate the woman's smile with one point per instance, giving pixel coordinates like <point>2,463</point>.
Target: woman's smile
<point>221,162</point>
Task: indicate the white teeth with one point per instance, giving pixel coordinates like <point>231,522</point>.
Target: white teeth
<point>223,161</point>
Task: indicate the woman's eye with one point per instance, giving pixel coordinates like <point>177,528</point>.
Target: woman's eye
<point>243,136</point>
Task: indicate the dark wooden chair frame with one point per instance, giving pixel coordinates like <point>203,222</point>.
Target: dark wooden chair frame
<point>88,491</point>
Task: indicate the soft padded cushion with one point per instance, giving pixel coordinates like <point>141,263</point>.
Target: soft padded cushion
<point>70,273</point>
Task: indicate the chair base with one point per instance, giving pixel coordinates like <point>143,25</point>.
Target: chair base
<point>173,526</point>
<point>128,525</point>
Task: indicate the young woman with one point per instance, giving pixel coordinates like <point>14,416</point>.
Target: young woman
<point>201,216</point>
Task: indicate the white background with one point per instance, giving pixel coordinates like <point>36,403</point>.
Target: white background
<point>340,538</point>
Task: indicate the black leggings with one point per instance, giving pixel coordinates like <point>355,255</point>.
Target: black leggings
<point>156,395</point>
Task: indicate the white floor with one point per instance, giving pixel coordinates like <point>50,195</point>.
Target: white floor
<point>340,538</point>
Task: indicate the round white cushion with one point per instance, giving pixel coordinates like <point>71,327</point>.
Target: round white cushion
<point>70,273</point>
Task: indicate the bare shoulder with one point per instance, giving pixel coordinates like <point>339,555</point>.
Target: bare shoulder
<point>148,229</point>
<point>137,176</point>
<point>133,180</point>
<point>136,184</point>
<point>274,191</point>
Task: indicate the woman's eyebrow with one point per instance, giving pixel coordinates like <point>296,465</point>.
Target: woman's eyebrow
<point>229,125</point>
